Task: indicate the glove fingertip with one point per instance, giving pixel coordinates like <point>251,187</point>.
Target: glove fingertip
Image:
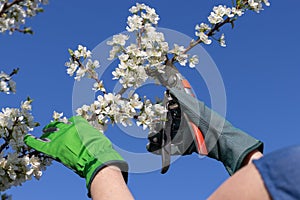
<point>152,148</point>
<point>35,143</point>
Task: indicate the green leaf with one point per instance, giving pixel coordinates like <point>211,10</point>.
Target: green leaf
<point>232,24</point>
<point>15,71</point>
<point>28,30</point>
<point>29,99</point>
<point>71,52</point>
<point>36,124</point>
<point>40,10</point>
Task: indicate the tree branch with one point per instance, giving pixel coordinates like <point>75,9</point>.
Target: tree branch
<point>210,33</point>
<point>3,146</point>
<point>6,6</point>
<point>122,91</point>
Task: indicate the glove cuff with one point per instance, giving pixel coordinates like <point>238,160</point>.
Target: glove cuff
<point>235,163</point>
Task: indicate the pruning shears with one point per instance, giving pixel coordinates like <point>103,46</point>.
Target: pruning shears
<point>172,78</point>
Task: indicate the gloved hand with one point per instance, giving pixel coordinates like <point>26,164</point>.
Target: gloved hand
<point>182,141</point>
<point>79,146</point>
<point>223,141</point>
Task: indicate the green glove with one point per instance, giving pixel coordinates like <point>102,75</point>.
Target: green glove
<point>223,141</point>
<point>78,146</point>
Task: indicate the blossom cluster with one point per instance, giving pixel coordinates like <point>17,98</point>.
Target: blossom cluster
<point>17,162</point>
<point>182,58</point>
<point>112,108</point>
<point>149,52</point>
<point>59,117</point>
<point>7,85</point>
<point>13,14</point>
<point>257,5</point>
<point>77,57</point>
<point>223,14</point>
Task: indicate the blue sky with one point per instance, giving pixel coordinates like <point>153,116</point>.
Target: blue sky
<point>259,67</point>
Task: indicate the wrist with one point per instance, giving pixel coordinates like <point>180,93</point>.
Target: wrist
<point>97,168</point>
<point>109,183</point>
<point>254,155</point>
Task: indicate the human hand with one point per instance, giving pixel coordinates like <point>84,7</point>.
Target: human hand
<point>223,141</point>
<point>79,146</point>
<point>182,138</point>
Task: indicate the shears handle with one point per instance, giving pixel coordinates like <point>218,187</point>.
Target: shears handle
<point>167,131</point>
<point>200,141</point>
<point>172,78</point>
<point>166,144</point>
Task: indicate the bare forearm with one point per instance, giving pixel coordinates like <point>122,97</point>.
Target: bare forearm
<point>245,184</point>
<point>109,184</point>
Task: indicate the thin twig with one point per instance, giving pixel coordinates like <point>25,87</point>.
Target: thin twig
<point>122,91</point>
<point>89,70</point>
<point>210,33</point>
<point>6,6</point>
<point>3,146</point>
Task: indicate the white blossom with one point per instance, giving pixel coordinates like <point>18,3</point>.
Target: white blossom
<point>119,39</point>
<point>193,61</point>
<point>134,22</point>
<point>137,7</point>
<point>7,85</point>
<point>4,87</point>
<point>222,40</point>
<point>202,27</point>
<point>203,37</point>
<point>177,49</point>
<point>150,15</point>
<point>152,113</point>
<point>238,12</point>
<point>57,115</point>
<point>266,2</point>
<point>218,13</point>
<point>256,5</point>
<point>159,110</point>
<point>147,13</point>
<point>82,64</point>
<point>135,102</point>
<point>82,52</point>
<point>123,57</point>
<point>26,105</point>
<point>114,51</point>
<point>91,65</point>
<point>98,86</point>
<point>80,73</point>
<point>71,67</point>
<point>179,54</point>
